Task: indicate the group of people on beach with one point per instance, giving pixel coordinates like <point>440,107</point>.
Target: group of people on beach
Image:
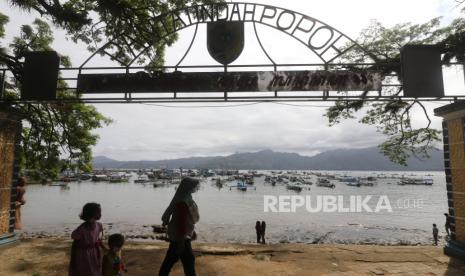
<point>88,247</point>
<point>260,229</point>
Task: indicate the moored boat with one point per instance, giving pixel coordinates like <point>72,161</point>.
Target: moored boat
<point>294,187</point>
<point>141,179</point>
<point>100,177</point>
<point>416,181</point>
<point>324,182</point>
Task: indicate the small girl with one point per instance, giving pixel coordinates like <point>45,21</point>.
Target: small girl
<point>112,264</point>
<point>86,256</point>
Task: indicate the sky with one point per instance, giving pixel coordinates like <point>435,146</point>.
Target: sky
<point>154,132</point>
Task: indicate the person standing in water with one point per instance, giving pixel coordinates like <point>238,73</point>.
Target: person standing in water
<point>258,230</point>
<point>263,229</point>
<point>435,234</point>
<point>20,201</point>
<point>180,216</point>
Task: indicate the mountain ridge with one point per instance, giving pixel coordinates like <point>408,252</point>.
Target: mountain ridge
<point>339,159</point>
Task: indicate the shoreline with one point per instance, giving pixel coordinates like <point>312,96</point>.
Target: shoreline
<point>336,235</point>
<point>157,237</point>
<point>49,256</point>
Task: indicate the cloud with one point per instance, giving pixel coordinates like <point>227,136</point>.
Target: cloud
<point>155,132</point>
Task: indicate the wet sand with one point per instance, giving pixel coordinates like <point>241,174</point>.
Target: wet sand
<point>49,256</point>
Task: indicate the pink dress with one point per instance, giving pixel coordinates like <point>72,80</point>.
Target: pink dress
<point>86,256</point>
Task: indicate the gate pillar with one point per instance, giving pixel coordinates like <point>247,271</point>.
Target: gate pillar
<point>454,164</point>
<point>10,133</point>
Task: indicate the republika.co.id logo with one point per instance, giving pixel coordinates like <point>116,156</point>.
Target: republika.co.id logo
<point>335,203</point>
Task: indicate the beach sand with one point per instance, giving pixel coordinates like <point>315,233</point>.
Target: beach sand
<point>49,257</point>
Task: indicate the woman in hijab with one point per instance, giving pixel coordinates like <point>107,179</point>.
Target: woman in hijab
<point>180,216</point>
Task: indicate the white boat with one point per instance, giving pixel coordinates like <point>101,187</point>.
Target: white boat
<point>142,179</point>
<point>118,178</point>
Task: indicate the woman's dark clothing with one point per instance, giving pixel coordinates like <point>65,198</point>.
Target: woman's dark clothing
<point>447,225</point>
<point>258,230</point>
<point>186,256</point>
<point>180,229</point>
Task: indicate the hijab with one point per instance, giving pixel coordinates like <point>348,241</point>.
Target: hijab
<point>183,194</point>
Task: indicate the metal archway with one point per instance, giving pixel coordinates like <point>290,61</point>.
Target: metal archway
<point>327,80</point>
<point>305,29</point>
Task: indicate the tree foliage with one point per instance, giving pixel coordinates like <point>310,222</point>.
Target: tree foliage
<point>52,130</point>
<point>122,22</point>
<point>56,130</point>
<point>394,118</point>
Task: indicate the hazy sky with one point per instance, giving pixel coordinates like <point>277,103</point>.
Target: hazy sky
<point>158,132</point>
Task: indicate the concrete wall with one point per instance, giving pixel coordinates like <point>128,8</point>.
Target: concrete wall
<point>10,130</point>
<point>454,165</point>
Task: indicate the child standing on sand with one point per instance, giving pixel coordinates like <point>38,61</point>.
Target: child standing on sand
<point>86,256</point>
<point>435,234</point>
<point>112,264</point>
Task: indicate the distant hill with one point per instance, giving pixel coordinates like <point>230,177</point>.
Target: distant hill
<point>344,159</point>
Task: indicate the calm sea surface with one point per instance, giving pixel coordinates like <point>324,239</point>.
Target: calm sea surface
<point>229,215</point>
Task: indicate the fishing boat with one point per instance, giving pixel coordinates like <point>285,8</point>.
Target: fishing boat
<point>366,183</point>
<point>100,177</point>
<point>119,178</point>
<point>307,182</point>
<point>353,184</point>
<point>85,176</point>
<point>241,186</point>
<point>324,182</point>
<point>63,184</point>
<point>416,181</point>
<point>294,187</point>
<point>141,179</point>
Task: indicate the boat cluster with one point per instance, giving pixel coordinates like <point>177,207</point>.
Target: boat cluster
<point>245,180</point>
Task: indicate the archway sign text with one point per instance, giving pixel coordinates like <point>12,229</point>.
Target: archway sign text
<point>326,42</point>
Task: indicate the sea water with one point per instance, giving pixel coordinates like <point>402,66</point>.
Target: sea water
<point>229,215</point>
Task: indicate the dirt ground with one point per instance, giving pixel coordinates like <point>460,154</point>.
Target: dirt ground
<point>49,257</point>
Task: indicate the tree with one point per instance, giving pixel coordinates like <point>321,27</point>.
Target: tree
<point>55,130</point>
<point>52,130</point>
<point>123,22</point>
<point>394,118</point>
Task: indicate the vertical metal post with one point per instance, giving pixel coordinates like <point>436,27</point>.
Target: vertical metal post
<point>225,92</point>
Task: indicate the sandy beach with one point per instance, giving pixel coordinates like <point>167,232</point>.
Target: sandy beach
<point>49,257</point>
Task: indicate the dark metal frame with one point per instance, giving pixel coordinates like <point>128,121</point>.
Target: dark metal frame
<point>174,96</point>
